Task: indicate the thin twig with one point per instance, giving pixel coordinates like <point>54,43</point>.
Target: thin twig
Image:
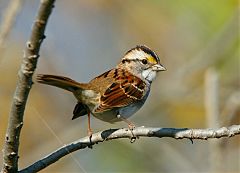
<point>212,113</point>
<point>212,98</point>
<point>24,83</point>
<point>8,20</point>
<point>126,133</point>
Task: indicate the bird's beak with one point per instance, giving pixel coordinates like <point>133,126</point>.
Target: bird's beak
<point>159,67</point>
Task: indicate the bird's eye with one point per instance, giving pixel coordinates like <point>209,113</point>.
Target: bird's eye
<point>144,61</point>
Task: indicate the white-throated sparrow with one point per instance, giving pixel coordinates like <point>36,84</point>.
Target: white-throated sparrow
<point>116,94</point>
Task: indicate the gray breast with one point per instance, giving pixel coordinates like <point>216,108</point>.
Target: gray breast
<point>127,111</point>
<point>131,109</point>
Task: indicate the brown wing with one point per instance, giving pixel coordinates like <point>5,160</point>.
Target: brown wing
<point>125,90</point>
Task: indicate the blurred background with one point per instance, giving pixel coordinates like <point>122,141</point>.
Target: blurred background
<point>198,43</point>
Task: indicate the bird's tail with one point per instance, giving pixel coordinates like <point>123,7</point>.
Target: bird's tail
<point>60,82</point>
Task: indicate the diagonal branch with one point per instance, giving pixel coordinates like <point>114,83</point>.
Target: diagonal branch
<point>9,17</point>
<point>24,83</point>
<point>126,133</point>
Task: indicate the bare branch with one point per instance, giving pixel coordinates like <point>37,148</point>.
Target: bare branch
<point>15,123</point>
<point>126,133</point>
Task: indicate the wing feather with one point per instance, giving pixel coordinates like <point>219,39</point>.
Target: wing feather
<point>125,90</point>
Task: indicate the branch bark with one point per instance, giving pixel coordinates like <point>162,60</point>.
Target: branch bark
<point>126,133</point>
<point>24,83</point>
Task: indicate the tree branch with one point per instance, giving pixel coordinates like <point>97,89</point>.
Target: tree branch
<point>126,133</point>
<point>31,54</point>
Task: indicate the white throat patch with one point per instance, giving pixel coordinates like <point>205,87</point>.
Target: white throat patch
<point>149,74</point>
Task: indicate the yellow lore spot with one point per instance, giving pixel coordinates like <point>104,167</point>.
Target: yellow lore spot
<point>152,60</point>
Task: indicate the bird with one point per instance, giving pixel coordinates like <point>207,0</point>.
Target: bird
<point>116,94</point>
